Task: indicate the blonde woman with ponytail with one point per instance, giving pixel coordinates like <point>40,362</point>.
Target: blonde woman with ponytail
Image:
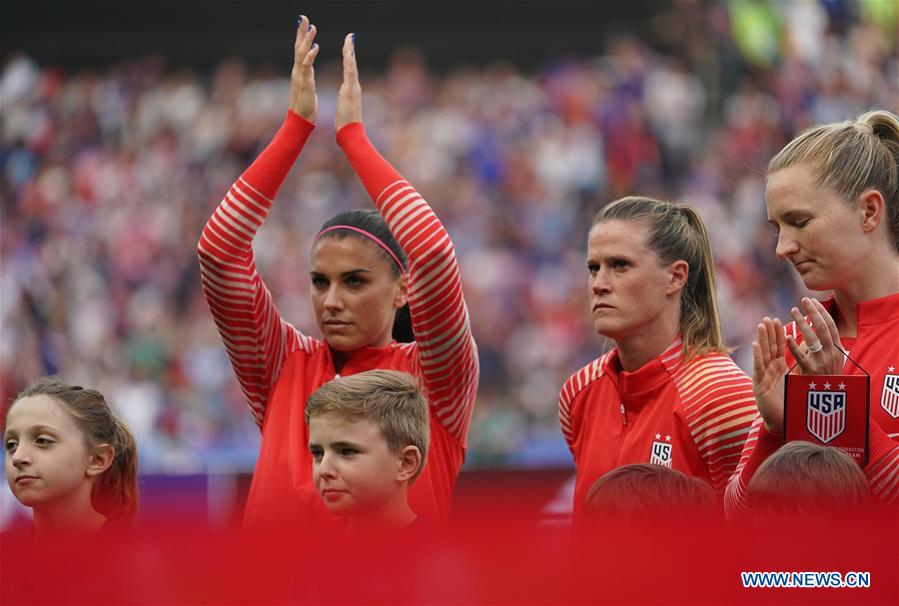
<point>667,393</point>
<point>70,459</point>
<point>833,199</point>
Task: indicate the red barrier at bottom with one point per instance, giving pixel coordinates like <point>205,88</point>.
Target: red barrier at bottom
<point>473,561</point>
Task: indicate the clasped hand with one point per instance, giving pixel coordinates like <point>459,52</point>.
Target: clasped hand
<point>820,353</point>
<point>303,98</point>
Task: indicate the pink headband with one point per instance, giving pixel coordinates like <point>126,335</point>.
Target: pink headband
<point>371,237</point>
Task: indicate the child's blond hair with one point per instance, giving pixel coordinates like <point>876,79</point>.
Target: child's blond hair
<point>808,479</point>
<point>390,399</point>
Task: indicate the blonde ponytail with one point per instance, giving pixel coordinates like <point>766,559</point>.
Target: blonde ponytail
<point>700,323</point>
<point>676,232</point>
<point>851,157</point>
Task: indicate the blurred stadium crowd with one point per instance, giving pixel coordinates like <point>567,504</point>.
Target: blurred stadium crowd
<point>108,176</point>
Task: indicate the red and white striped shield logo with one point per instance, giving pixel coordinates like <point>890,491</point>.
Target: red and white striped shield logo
<point>890,398</point>
<point>660,454</point>
<point>826,417</point>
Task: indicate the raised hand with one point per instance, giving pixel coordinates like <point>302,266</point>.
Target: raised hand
<point>821,350</point>
<point>303,100</point>
<point>349,96</point>
<point>769,365</point>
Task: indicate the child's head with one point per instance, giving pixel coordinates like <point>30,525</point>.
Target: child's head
<point>368,435</point>
<point>63,443</point>
<point>807,480</point>
<point>639,492</point>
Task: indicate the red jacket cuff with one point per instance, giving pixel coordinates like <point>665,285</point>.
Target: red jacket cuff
<point>373,170</point>
<point>294,123</point>
<point>351,133</point>
<point>766,445</point>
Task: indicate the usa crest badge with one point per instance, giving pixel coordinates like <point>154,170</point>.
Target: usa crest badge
<point>661,454</point>
<point>825,416</point>
<point>890,398</point>
<point>831,410</point>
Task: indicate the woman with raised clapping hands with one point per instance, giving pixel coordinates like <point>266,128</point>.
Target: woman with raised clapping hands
<point>367,268</point>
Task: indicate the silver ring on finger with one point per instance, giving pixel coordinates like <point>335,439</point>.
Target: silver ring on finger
<point>815,348</point>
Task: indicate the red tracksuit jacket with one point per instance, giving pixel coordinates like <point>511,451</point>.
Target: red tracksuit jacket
<point>876,349</point>
<point>278,366</point>
<point>692,416</point>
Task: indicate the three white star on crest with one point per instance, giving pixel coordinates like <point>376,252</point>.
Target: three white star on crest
<point>841,386</point>
<point>668,438</point>
<point>827,386</point>
<point>658,436</point>
<point>891,369</point>
<point>812,385</point>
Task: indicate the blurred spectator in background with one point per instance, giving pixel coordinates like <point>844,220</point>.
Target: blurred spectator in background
<point>107,176</point>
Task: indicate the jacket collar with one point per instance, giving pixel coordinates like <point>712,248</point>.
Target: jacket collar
<point>870,313</point>
<point>633,386</point>
<point>362,359</point>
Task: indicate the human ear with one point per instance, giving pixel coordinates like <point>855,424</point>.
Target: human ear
<point>409,462</point>
<point>678,272</point>
<point>100,460</point>
<point>402,292</point>
<point>872,207</point>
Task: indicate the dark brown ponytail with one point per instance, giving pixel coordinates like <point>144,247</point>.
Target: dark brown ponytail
<point>372,222</point>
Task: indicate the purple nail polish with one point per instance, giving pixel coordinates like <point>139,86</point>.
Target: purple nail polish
<point>309,29</point>
<point>353,38</point>
<point>299,20</point>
